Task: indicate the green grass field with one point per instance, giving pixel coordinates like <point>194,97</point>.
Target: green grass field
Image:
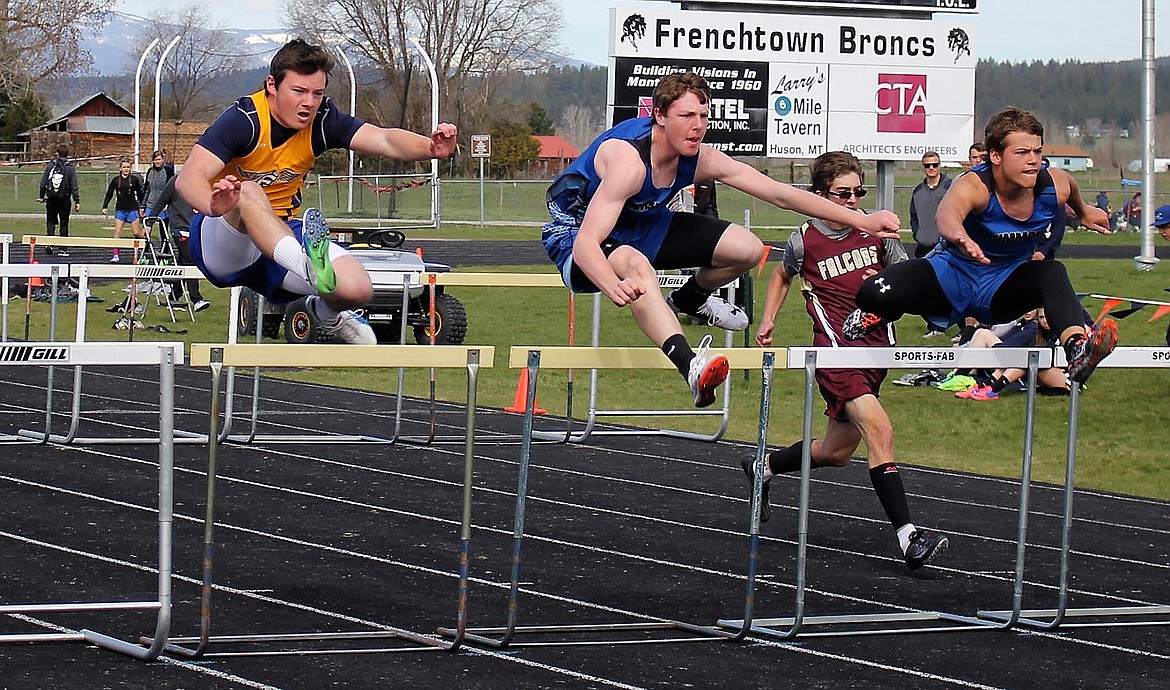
<point>1120,428</point>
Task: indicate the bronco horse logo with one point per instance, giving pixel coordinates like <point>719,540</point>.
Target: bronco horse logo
<point>633,29</point>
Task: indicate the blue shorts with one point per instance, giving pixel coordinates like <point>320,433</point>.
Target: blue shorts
<point>264,275</point>
<point>970,286</point>
<point>126,216</point>
<point>646,235</point>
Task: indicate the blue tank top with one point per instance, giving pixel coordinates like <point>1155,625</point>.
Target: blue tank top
<point>1001,237</point>
<point>574,187</point>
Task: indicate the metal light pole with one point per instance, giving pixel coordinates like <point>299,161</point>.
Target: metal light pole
<point>158,86</point>
<point>138,97</point>
<point>352,110</point>
<point>434,125</point>
<point>1146,260</point>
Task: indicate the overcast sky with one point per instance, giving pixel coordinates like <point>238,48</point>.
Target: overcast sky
<point>1006,30</point>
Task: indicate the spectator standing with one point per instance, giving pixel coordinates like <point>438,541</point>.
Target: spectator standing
<point>127,187</point>
<point>179,214</point>
<point>924,201</point>
<point>155,179</point>
<point>58,186</point>
<point>976,153</point>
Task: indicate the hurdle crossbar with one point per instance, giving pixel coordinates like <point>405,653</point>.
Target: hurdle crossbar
<point>535,358</point>
<point>165,356</point>
<point>1097,616</point>
<point>216,356</point>
<point>813,358</point>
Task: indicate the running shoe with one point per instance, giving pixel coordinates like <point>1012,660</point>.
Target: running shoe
<point>1086,352</point>
<point>353,328</point>
<point>717,312</point>
<point>924,547</point>
<point>315,241</point>
<point>749,468</point>
<point>859,323</point>
<point>978,393</point>
<point>706,373</point>
<point>201,305</point>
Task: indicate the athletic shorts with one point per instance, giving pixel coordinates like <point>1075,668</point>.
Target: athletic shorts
<point>839,386</point>
<point>969,286</point>
<point>255,270</point>
<point>669,239</point>
<point>126,216</point>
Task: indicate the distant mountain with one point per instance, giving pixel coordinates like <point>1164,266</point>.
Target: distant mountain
<point>117,44</point>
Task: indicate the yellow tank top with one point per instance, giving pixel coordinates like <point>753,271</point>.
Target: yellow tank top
<point>280,171</point>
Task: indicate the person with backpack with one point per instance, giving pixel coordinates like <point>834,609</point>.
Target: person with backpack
<point>128,188</point>
<point>58,185</point>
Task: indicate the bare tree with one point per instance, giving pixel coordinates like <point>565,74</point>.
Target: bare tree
<point>580,125</point>
<point>204,53</point>
<point>470,41</point>
<point>42,40</point>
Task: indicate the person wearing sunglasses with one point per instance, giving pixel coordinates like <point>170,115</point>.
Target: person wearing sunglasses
<point>924,201</point>
<point>992,221</point>
<point>832,259</point>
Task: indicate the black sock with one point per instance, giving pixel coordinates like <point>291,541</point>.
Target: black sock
<point>966,334</point>
<point>680,353</point>
<point>887,484</point>
<point>787,459</point>
<point>998,383</point>
<point>689,297</point>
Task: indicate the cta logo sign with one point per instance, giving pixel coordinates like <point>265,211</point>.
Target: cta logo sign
<point>900,103</point>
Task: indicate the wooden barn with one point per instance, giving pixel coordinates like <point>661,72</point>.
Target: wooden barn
<point>99,131</point>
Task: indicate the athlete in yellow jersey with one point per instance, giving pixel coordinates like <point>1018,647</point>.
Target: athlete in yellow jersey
<point>245,176</point>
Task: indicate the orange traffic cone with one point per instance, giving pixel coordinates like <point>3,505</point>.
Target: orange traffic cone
<point>36,281</point>
<point>520,404</point>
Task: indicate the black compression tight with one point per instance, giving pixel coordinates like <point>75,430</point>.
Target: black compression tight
<point>911,287</point>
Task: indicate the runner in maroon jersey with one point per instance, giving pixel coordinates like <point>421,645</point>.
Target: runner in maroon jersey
<point>832,261</point>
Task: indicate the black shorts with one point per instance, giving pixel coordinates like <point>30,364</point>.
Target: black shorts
<point>690,243</point>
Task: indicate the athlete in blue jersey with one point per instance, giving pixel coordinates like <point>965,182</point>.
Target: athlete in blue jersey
<point>611,227</point>
<point>991,221</point>
<point>245,174</point>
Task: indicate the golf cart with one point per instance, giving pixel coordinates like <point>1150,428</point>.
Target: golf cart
<point>389,269</point>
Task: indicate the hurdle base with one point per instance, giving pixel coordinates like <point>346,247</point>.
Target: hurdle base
<point>482,636</point>
<point>181,646</point>
<point>764,627</point>
<point>1058,618</point>
<point>40,437</point>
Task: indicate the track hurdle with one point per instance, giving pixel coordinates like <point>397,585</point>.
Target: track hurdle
<point>812,358</point>
<point>617,358</point>
<point>723,413</point>
<point>1100,616</point>
<point>216,356</point>
<point>84,273</point>
<point>165,356</point>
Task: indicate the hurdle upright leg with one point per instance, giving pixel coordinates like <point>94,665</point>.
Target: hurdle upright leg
<point>905,621</point>
<point>165,355</point>
<point>1101,616</point>
<point>502,637</point>
<point>331,355</point>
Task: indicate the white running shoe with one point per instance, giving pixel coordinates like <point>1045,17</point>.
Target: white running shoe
<point>706,373</point>
<point>718,312</point>
<point>353,328</point>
